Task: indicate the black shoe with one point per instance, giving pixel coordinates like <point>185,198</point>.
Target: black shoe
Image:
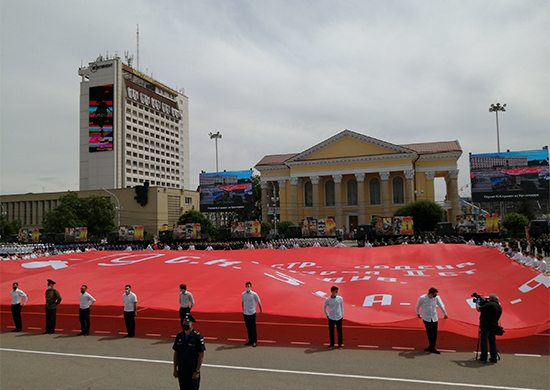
<point>87,334</point>
<point>81,334</point>
<point>330,347</point>
<point>46,332</point>
<point>428,349</point>
<point>253,345</point>
<point>16,330</point>
<point>249,343</point>
<point>493,361</point>
<point>129,335</point>
<point>433,350</point>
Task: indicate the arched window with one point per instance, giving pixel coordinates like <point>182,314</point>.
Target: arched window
<point>352,192</point>
<point>329,193</point>
<point>308,194</point>
<point>398,190</point>
<point>374,191</point>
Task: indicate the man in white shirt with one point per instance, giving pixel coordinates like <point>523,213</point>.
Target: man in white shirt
<point>16,297</point>
<point>130,310</point>
<point>335,315</point>
<point>429,303</point>
<point>249,299</point>
<point>186,302</point>
<point>86,300</point>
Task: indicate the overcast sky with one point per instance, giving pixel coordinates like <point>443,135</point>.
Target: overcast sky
<point>279,76</point>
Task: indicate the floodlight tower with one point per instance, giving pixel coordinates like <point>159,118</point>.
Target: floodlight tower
<point>215,136</point>
<point>496,108</point>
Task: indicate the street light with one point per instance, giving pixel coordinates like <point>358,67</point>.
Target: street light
<point>216,136</point>
<point>117,208</point>
<point>275,220</point>
<point>496,108</point>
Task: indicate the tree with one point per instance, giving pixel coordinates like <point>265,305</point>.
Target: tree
<point>266,228</point>
<point>515,223</point>
<point>194,216</point>
<point>426,214</point>
<point>283,226</point>
<point>527,208</point>
<point>94,212</point>
<point>8,228</point>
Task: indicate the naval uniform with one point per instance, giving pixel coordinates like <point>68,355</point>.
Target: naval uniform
<point>188,348</point>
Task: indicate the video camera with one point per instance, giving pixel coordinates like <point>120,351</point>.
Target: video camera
<point>478,299</point>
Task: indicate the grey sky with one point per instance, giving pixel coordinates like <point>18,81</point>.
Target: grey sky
<point>279,76</point>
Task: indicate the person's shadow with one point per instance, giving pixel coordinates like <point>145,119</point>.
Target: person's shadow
<point>413,354</point>
<point>309,351</point>
<point>470,363</point>
<point>229,347</point>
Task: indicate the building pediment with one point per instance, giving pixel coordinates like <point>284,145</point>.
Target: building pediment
<point>350,145</point>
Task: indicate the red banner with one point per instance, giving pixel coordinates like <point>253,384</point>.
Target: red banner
<point>380,286</point>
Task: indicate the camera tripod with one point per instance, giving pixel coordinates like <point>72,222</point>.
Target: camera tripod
<point>478,354</point>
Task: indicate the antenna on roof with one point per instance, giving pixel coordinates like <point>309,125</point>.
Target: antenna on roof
<point>137,38</point>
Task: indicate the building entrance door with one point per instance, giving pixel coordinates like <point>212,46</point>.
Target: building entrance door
<point>352,223</point>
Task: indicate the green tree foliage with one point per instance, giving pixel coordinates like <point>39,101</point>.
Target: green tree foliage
<point>94,212</point>
<point>194,216</point>
<point>426,214</point>
<point>515,223</point>
<point>266,228</point>
<point>527,208</point>
<point>283,226</point>
<point>9,227</point>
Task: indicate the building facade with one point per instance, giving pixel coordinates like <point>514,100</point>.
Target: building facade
<point>132,129</point>
<point>163,208</point>
<point>351,177</point>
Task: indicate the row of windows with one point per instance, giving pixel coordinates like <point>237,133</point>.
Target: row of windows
<point>141,156</point>
<point>153,167</point>
<point>29,212</point>
<point>151,182</point>
<point>169,174</point>
<point>171,156</point>
<point>398,192</point>
<point>153,118</point>
<point>153,144</point>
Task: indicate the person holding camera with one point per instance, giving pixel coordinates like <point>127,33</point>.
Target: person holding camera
<point>490,311</point>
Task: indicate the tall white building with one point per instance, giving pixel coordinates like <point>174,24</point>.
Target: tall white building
<point>132,129</point>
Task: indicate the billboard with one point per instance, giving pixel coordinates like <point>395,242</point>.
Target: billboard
<point>189,231</point>
<point>226,191</point>
<point>510,176</point>
<point>388,226</point>
<point>78,234</point>
<point>476,223</point>
<point>312,227</point>
<point>131,233</point>
<point>100,127</point>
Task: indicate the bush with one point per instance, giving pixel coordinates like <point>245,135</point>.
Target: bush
<point>283,226</point>
<point>426,214</point>
<point>515,223</point>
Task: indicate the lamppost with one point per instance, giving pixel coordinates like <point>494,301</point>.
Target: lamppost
<point>4,221</point>
<point>273,204</point>
<point>496,108</point>
<point>117,208</point>
<point>215,136</point>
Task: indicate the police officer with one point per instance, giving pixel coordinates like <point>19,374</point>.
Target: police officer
<point>188,355</point>
<point>53,298</point>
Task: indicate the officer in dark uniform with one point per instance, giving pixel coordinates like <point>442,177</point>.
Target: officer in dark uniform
<point>188,355</point>
<point>53,298</point>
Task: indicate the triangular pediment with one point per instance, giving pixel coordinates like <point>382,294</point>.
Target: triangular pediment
<point>349,144</point>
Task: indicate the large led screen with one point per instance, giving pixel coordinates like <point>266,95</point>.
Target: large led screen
<point>510,176</point>
<point>101,118</point>
<point>226,191</point>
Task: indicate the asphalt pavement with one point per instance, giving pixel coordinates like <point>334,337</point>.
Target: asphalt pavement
<point>66,361</point>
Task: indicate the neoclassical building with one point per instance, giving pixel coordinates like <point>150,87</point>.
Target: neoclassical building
<point>351,177</point>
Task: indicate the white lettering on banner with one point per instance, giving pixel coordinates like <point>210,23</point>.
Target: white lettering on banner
<point>425,267</point>
<point>277,266</point>
<point>447,274</point>
<point>358,278</point>
<point>224,262</point>
<point>291,265</point>
<point>334,280</point>
<point>285,278</point>
<point>320,294</point>
<point>372,272</point>
<point>382,266</point>
<point>471,303</point>
<point>121,259</point>
<point>392,280</point>
<point>362,266</point>
<point>462,265</point>
<point>415,273</point>
<point>535,282</point>
<point>470,272</point>
<point>327,272</point>
<point>181,259</point>
<point>446,266</point>
<point>306,264</point>
<point>383,299</point>
<point>400,267</point>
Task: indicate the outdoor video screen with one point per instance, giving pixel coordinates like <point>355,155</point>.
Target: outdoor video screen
<point>226,191</point>
<point>510,176</point>
<point>101,118</point>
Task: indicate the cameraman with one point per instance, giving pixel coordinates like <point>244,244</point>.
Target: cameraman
<point>488,323</point>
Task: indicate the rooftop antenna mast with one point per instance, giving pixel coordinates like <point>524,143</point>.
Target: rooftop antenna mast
<point>137,38</point>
